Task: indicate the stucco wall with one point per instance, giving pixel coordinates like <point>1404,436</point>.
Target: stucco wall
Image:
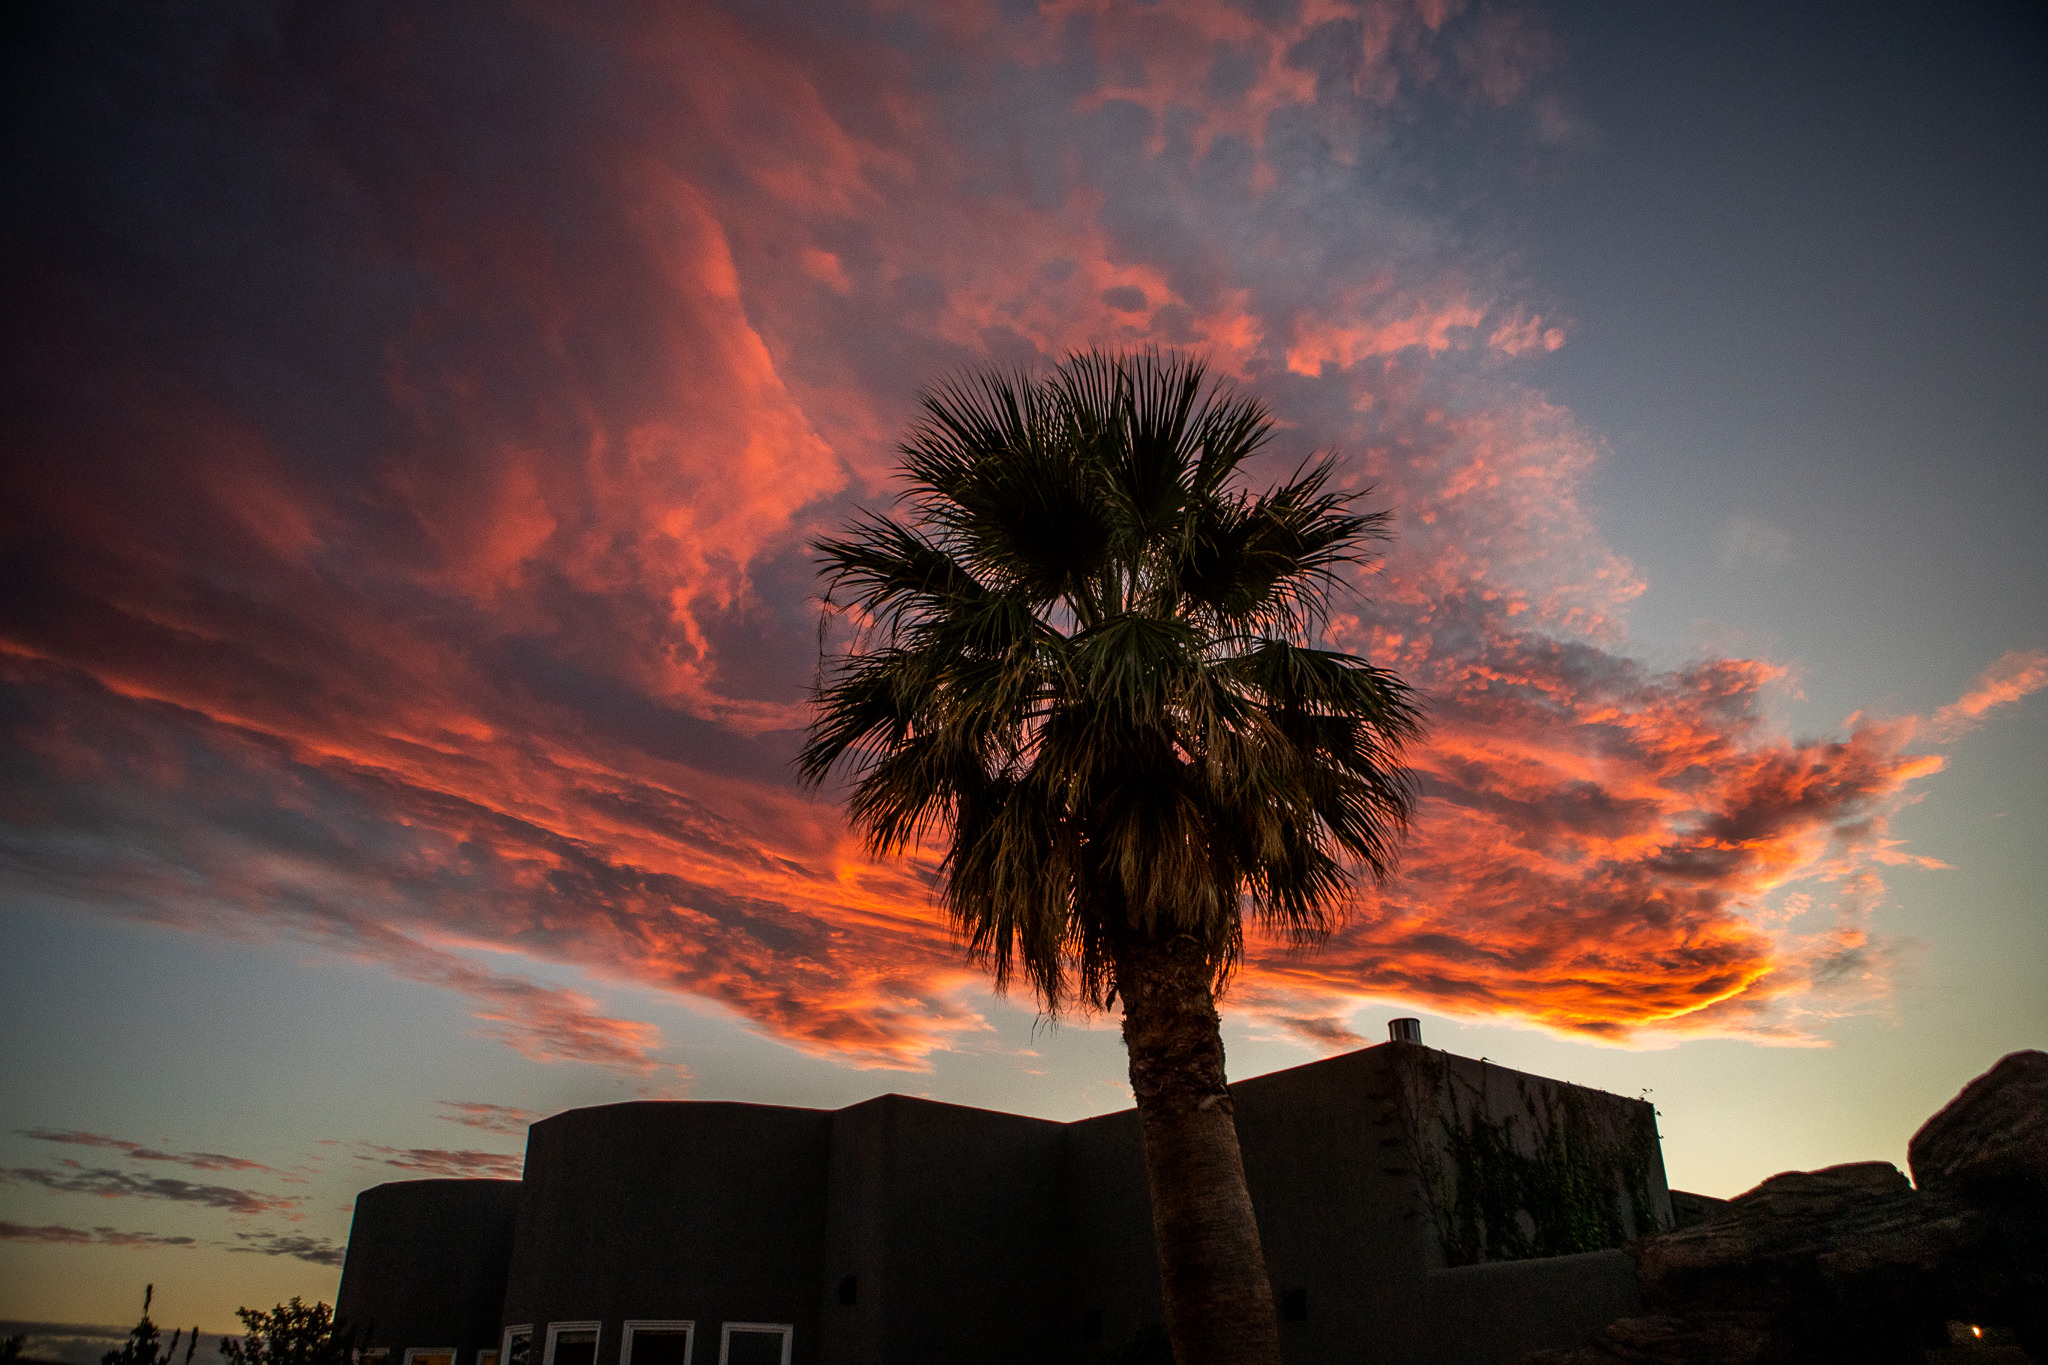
<point>901,1231</point>
<point>1503,1310</point>
<point>426,1264</point>
<point>1113,1270</point>
<point>706,1212</point>
<point>952,1222</point>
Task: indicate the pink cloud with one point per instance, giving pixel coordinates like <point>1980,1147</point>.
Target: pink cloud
<point>2016,674</point>
<point>451,598</point>
<point>490,1118</point>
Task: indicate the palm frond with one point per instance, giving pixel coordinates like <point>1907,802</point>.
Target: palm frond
<point>1091,672</point>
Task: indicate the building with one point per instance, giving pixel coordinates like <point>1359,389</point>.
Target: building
<point>1414,1207</point>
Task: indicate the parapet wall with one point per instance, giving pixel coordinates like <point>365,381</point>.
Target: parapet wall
<point>426,1265</point>
<point>1414,1207</point>
<point>1511,1166</point>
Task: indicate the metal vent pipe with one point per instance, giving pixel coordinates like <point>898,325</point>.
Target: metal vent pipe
<point>1404,1030</point>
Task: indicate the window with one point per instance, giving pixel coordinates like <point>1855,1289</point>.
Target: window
<point>374,1355</point>
<point>571,1343</point>
<point>430,1355</point>
<point>755,1343</point>
<point>656,1343</point>
<point>486,1358</point>
<point>518,1345</point>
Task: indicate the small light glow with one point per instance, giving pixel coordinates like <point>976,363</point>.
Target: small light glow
<point>1976,1331</point>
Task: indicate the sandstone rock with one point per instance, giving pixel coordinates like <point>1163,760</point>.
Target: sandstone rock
<point>1765,1244</point>
<point>1853,1263</point>
<point>1993,1137</point>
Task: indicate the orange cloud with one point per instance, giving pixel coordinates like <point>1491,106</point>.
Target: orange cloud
<point>445,596</point>
<point>2017,673</point>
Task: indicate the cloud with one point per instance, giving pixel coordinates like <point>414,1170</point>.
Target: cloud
<point>312,1250</point>
<point>2016,674</point>
<point>410,555</point>
<point>435,1161</point>
<point>110,1184</point>
<point>491,1118</point>
<point>203,1161</point>
<point>1748,542</point>
<point>1324,1033</point>
<point>59,1233</point>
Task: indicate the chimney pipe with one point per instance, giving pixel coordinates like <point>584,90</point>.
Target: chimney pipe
<point>1404,1030</point>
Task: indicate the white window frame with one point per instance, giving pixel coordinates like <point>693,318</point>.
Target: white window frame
<point>453,1353</point>
<point>787,1329</point>
<point>505,1342</point>
<point>555,1330</point>
<point>632,1325</point>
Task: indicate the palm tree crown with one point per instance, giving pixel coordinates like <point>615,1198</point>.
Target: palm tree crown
<point>1088,658</point>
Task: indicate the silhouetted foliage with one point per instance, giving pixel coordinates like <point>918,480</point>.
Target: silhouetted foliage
<point>294,1333</point>
<point>1088,663</point>
<point>145,1344</point>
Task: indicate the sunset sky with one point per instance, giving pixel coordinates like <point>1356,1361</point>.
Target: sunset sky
<point>417,415</point>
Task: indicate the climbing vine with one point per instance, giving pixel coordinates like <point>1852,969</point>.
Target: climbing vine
<point>1563,1170</point>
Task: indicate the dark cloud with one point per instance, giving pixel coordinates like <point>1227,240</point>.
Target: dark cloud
<point>312,1250</point>
<point>436,1161</point>
<point>110,1184</point>
<point>203,1161</point>
<point>491,1118</point>
<point>426,412</point>
<point>64,1234</point>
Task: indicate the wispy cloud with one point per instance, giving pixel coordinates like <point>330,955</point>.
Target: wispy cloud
<point>312,1250</point>
<point>1751,542</point>
<point>446,597</point>
<point>203,1161</point>
<point>491,1118</point>
<point>436,1161</point>
<point>2016,674</point>
<point>72,1178</point>
<point>61,1233</point>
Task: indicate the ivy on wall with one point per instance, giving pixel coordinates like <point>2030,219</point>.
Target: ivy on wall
<point>1560,1170</point>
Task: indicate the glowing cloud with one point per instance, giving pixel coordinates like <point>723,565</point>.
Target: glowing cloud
<point>439,590</point>
<point>491,1118</point>
<point>2016,674</point>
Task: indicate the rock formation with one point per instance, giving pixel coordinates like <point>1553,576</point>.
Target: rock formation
<point>1855,1264</point>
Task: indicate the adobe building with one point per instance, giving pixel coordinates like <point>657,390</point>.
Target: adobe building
<point>1416,1208</point>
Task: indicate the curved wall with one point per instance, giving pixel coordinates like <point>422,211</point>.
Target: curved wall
<point>426,1264</point>
<point>672,1210</point>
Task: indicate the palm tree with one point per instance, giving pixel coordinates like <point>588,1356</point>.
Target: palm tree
<point>1085,666</point>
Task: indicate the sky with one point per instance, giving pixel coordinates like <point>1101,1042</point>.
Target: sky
<point>417,418</point>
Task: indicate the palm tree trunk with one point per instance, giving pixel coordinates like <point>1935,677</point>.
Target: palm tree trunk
<point>1219,1302</point>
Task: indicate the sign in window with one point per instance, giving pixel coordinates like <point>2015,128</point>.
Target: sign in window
<point>571,1343</point>
<point>656,1343</point>
<point>755,1343</point>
